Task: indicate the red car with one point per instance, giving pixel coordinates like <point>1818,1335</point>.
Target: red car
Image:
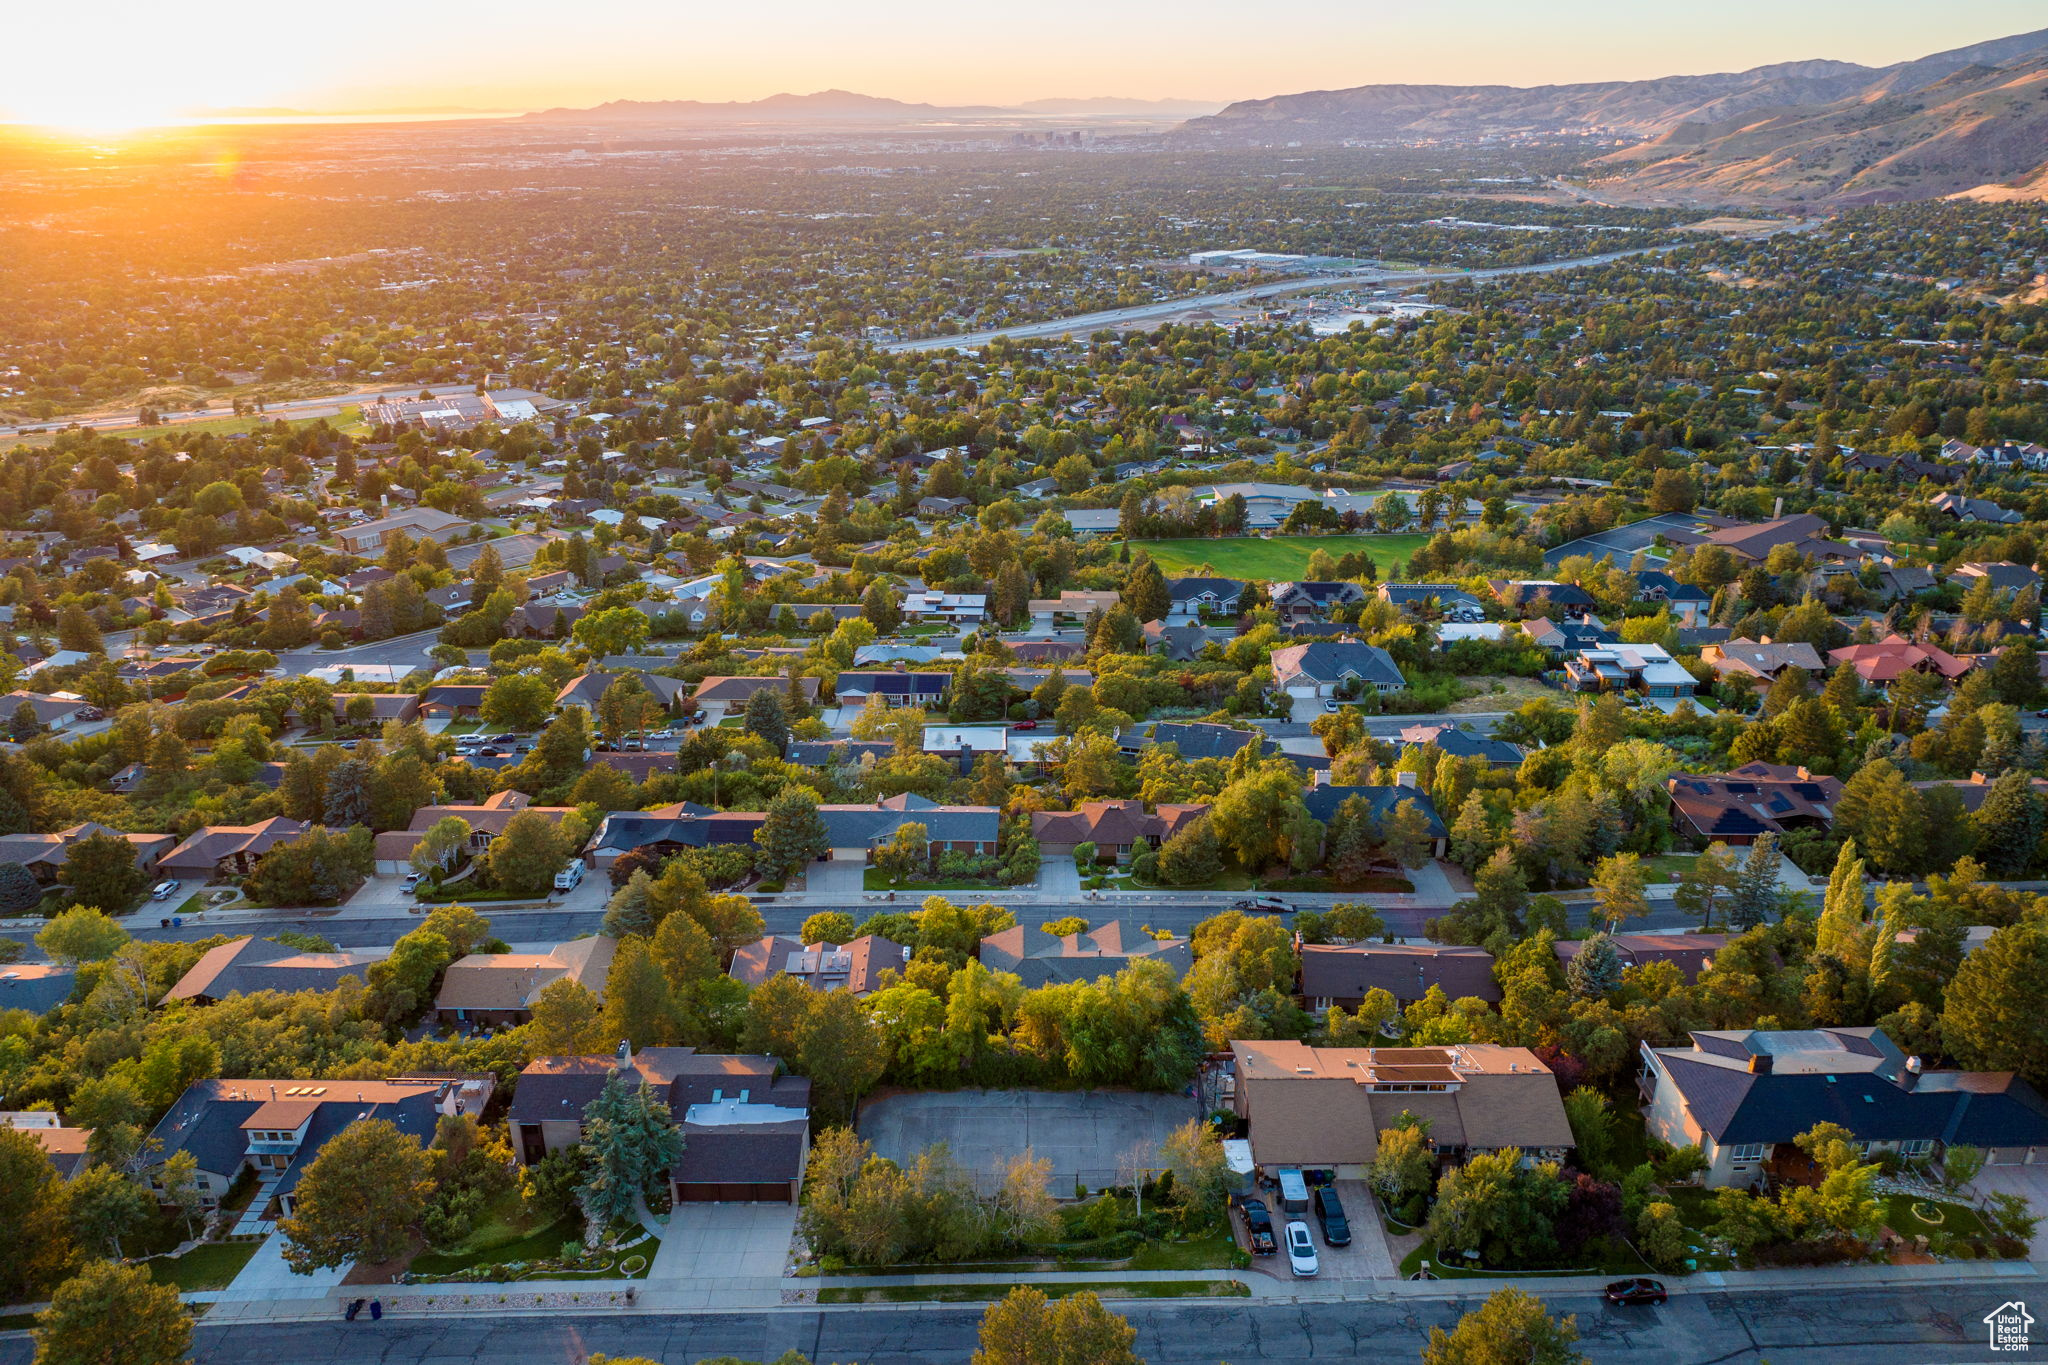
<point>1025,725</point>
<point>1636,1291</point>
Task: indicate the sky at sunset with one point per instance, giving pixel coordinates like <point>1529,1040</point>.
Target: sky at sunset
<point>133,62</point>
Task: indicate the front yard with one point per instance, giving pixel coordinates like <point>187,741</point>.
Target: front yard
<point>875,879</point>
<point>211,1265</point>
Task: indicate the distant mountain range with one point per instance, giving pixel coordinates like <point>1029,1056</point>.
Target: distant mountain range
<point>846,106</point>
<point>1817,131</point>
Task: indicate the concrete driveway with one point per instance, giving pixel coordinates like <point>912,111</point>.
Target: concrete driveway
<point>2028,1182</point>
<point>267,1276</point>
<point>723,1242</point>
<point>839,883</point>
<point>1083,1133</point>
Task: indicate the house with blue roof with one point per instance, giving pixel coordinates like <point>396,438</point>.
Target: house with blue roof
<point>1323,800</point>
<point>894,688</point>
<point>1743,1095</point>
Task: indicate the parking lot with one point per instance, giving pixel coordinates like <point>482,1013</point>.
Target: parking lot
<point>1082,1132</point>
<point>1370,1256</point>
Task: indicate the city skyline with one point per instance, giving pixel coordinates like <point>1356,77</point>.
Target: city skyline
<point>164,63</point>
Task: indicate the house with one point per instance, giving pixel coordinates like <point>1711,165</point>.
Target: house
<point>1804,533</point>
<point>968,608</point>
<point>1648,668</point>
<point>1322,1108</point>
<point>1331,668</point>
<point>1691,953</point>
<point>1458,742</point>
<point>1973,789</point>
<point>1342,974</point>
<point>1688,604</point>
<point>587,689</point>
<point>66,1148</point>
<point>497,990</point>
<point>1114,827</point>
<point>1041,959</point>
<point>486,820</point>
<point>1881,663</point>
<point>1196,739</point>
<point>728,696</point>
<point>1323,799</point>
<point>44,855</point>
<point>1743,1095</point>
<point>1532,597</point>
<point>1181,643</point>
<point>1313,601</point>
<point>837,753</point>
<point>1436,601</point>
<point>418,523</point>
<point>1089,522</point>
<point>275,1128</point>
<point>1562,638</point>
<point>894,688</point>
<point>745,1126</point>
<point>52,712</point>
<point>2003,575</point>
<point>1041,652</point>
<point>229,850</point>
<point>383,707</point>
<point>853,832</point>
<point>856,966</point>
<point>37,987</point>
<point>1973,510</point>
<point>456,701</point>
<point>1071,605</point>
<point>1194,598</point>
<point>1736,807</point>
<point>1760,663</point>
<point>246,965</point>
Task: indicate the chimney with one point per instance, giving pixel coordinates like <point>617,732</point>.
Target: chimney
<point>1760,1063</point>
<point>625,1054</point>
<point>1910,1077</point>
<point>1408,780</point>
<point>1778,507</point>
<point>273,1092</point>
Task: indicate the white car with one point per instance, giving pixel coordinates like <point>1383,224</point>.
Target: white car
<point>163,891</point>
<point>1301,1250</point>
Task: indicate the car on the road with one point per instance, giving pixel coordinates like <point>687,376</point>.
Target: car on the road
<point>1262,905</point>
<point>1025,725</point>
<point>1301,1250</point>
<point>491,751</point>
<point>412,882</point>
<point>163,891</point>
<point>1639,1290</point>
<point>503,739</point>
<point>632,745</point>
<point>1258,1227</point>
<point>1330,1212</point>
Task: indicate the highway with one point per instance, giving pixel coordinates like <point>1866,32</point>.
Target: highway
<point>1144,312</point>
<point>1821,1318</point>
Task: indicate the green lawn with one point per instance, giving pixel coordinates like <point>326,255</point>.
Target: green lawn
<point>874,879</point>
<point>212,1265</point>
<point>499,1241</point>
<point>1279,559</point>
<point>1621,1262</point>
<point>1959,1219</point>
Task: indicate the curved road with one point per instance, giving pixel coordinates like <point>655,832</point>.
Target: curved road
<point>1116,317</point>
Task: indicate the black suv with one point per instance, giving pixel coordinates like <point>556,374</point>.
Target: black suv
<point>1258,1227</point>
<point>1330,1210</point>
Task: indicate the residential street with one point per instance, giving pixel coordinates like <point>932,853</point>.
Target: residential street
<point>1908,1325</point>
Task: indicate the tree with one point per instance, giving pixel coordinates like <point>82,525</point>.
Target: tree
<point>638,1005</point>
<point>1402,1165</point>
<point>105,1206</point>
<point>19,889</point>
<point>37,1251</point>
<point>178,1178</point>
<point>1407,834</point>
<point>1618,891</point>
<point>879,605</point>
<point>359,1199</point>
<point>1704,886</point>
<point>843,1052</point>
<point>630,910</point>
<point>101,871</point>
<point>1758,896</point>
<point>766,717</point>
<point>532,848</point>
<point>77,630</point>
<point>518,701</point>
<point>565,1019</point>
<point>615,630</point>
<point>1510,1328</point>
<point>625,707</point>
<point>347,798</point>
<point>2009,825</point>
<point>1995,1011</point>
<point>631,1143</point>
<point>1595,970</point>
<point>1145,592</point>
<point>440,847</point>
<point>1026,1328</point>
<point>81,934</point>
<point>23,726</point>
<point>112,1314</point>
<point>793,835</point>
<point>1192,856</point>
<point>319,868</point>
<point>829,926</point>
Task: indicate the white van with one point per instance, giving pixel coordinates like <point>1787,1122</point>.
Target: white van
<point>569,878</point>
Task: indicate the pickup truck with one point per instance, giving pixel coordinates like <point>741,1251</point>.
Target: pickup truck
<point>1258,1227</point>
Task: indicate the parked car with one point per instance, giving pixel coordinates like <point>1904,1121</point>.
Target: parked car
<point>1301,1250</point>
<point>1333,706</point>
<point>1258,1227</point>
<point>503,739</point>
<point>163,891</point>
<point>412,882</point>
<point>633,746</point>
<point>491,751</point>
<point>1330,1210</point>
<point>1639,1290</point>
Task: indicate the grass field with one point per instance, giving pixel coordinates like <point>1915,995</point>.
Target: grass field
<point>212,1265</point>
<point>1281,558</point>
<point>349,419</point>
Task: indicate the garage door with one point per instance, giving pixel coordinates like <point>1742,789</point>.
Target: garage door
<point>773,1192</point>
<point>2006,1156</point>
<point>849,855</point>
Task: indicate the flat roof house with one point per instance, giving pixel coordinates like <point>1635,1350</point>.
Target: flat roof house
<point>1322,1108</point>
<point>1742,1095</point>
<point>1617,667</point>
<point>746,1127</point>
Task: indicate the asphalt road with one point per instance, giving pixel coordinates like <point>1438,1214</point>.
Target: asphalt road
<point>288,408</point>
<point>1827,1323</point>
<point>1119,317</point>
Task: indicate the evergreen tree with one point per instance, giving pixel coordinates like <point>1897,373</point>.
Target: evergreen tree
<point>793,834</point>
<point>765,717</point>
<point>1840,933</point>
<point>1757,895</point>
<point>1145,592</point>
<point>627,912</point>
<point>347,799</point>
<point>1595,970</point>
<point>2008,826</point>
<point>631,1143</point>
